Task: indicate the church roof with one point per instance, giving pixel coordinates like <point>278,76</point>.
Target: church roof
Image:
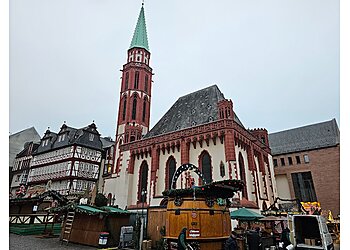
<point>194,109</point>
<point>315,136</point>
<point>139,39</point>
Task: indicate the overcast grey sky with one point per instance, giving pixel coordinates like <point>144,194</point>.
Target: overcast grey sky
<point>277,60</point>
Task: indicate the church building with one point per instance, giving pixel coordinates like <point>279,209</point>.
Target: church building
<point>201,128</point>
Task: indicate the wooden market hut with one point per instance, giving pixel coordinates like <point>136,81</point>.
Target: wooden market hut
<point>89,221</point>
<point>42,201</point>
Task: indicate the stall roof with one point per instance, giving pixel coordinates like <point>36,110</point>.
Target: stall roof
<point>115,210</point>
<point>245,214</point>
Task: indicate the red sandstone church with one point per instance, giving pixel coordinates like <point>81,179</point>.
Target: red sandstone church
<point>201,128</point>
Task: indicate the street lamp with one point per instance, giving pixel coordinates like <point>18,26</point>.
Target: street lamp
<point>143,197</point>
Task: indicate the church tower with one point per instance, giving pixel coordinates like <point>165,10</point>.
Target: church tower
<point>136,85</point>
<point>135,91</point>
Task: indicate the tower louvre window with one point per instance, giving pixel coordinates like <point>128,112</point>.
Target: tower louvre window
<point>126,80</point>
<point>134,106</point>
<point>146,83</point>
<point>136,83</point>
<point>124,109</point>
<point>144,110</point>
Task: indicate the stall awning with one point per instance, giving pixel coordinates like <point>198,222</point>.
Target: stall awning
<point>245,214</point>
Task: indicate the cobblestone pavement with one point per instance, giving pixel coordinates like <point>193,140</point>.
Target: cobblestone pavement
<point>31,242</point>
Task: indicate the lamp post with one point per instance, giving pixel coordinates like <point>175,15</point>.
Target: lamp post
<point>143,196</point>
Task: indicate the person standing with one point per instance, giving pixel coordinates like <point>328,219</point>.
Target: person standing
<point>231,242</point>
<point>181,240</point>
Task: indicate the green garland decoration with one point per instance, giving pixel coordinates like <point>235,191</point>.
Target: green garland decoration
<point>218,189</point>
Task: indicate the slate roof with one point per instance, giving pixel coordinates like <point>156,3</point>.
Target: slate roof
<point>315,136</point>
<point>73,136</point>
<point>18,140</point>
<point>194,109</point>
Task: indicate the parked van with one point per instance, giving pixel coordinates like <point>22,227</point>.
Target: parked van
<point>311,232</point>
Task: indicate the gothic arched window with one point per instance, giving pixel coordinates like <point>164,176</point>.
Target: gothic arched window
<point>146,83</point>
<point>143,176</point>
<point>222,169</point>
<point>144,110</point>
<point>242,173</point>
<point>205,166</point>
<point>134,106</point>
<point>136,83</point>
<point>124,108</point>
<point>170,171</point>
<point>126,80</point>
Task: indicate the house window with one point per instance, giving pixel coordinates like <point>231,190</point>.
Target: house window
<point>275,164</point>
<point>91,137</point>
<point>298,159</point>
<point>306,159</point>
<point>134,105</point>
<point>304,187</point>
<point>126,80</point>
<point>143,176</point>
<point>206,166</point>
<point>136,83</point>
<point>282,162</point>
<point>290,161</point>
<point>222,169</point>
<point>171,166</point>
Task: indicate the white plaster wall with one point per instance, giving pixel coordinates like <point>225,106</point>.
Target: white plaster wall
<point>272,170</point>
<point>217,153</point>
<point>134,180</point>
<point>160,184</point>
<point>248,173</point>
<point>283,187</point>
<point>118,186</point>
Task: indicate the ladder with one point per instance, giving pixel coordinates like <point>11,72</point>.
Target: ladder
<point>68,227</point>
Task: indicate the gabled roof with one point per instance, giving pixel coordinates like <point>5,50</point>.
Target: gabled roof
<point>194,109</point>
<point>315,136</point>
<point>139,39</point>
<point>18,140</point>
<point>72,136</point>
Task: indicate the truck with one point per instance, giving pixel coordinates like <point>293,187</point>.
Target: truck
<point>309,232</point>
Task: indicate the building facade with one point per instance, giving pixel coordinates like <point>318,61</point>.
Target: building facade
<point>307,164</point>
<point>16,145</point>
<point>68,161</point>
<point>201,128</point>
<point>21,167</point>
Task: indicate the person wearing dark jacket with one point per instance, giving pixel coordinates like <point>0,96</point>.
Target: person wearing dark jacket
<point>181,240</point>
<point>285,237</point>
<point>231,242</point>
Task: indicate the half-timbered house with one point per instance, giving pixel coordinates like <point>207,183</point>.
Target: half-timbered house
<point>21,167</point>
<point>68,161</point>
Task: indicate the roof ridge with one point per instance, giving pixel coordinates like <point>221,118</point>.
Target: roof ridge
<point>199,90</point>
<point>305,126</point>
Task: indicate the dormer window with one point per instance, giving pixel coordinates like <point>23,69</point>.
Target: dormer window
<point>91,137</point>
<point>61,137</point>
<point>45,143</point>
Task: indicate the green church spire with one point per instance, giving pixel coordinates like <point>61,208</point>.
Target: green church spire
<point>140,35</point>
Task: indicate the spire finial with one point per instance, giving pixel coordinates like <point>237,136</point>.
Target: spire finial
<point>143,2</point>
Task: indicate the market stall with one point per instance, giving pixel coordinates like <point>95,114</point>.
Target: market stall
<point>244,215</point>
<point>91,225</point>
